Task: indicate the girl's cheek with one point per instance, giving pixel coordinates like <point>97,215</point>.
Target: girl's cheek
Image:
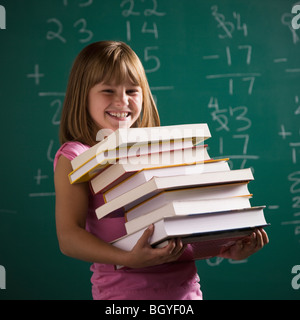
<point>139,101</point>
<point>136,103</point>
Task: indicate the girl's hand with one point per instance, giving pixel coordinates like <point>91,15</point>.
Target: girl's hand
<point>247,246</point>
<point>143,255</point>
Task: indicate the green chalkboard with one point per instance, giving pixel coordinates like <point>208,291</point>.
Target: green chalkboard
<point>233,64</point>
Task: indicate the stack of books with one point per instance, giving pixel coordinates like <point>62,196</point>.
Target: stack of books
<point>166,177</point>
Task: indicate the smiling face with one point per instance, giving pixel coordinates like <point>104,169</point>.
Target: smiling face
<point>112,106</point>
<point>107,88</point>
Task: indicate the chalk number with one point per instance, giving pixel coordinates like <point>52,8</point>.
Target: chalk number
<point>57,30</point>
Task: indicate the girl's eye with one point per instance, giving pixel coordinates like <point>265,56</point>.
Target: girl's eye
<point>107,91</point>
<point>132,91</point>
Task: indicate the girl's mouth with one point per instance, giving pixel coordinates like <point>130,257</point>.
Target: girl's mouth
<point>118,115</point>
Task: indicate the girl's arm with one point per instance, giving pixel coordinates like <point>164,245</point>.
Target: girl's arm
<point>74,241</point>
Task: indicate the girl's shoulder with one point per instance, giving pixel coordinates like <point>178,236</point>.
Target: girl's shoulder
<point>70,150</point>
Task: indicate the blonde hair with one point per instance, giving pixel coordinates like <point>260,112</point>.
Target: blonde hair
<point>103,61</point>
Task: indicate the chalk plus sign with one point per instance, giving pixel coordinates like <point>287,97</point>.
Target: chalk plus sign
<point>284,133</point>
<point>39,177</point>
<point>36,75</point>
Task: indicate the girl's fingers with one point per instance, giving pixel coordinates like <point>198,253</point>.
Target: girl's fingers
<point>265,236</point>
<point>262,238</point>
<point>144,239</point>
<point>259,239</point>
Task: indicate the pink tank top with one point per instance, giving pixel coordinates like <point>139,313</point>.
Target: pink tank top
<point>172,281</point>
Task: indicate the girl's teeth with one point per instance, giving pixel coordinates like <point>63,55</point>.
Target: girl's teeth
<point>119,114</point>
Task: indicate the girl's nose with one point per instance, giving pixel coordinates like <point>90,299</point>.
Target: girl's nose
<point>121,99</point>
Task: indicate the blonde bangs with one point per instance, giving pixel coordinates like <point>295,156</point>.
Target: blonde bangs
<point>120,73</point>
<point>118,66</point>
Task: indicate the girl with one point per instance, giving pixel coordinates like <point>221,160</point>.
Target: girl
<point>108,88</point>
